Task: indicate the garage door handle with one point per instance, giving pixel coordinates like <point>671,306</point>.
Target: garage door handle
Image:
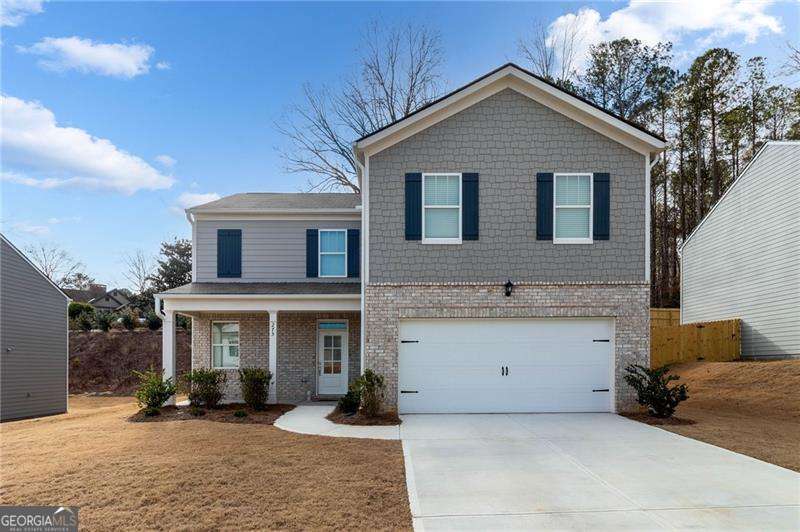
<point>409,391</point>
<point>601,390</point>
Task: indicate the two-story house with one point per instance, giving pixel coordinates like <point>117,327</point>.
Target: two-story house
<point>497,260</point>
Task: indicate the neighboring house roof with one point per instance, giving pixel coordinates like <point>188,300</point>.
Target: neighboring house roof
<point>280,202</point>
<point>34,266</point>
<point>545,92</point>
<point>792,144</point>
<point>81,296</point>
<point>117,297</point>
<point>293,288</point>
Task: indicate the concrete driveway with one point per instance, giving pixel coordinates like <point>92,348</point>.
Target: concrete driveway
<point>584,471</point>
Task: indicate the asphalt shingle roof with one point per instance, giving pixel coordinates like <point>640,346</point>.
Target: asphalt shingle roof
<point>281,201</point>
<point>300,288</point>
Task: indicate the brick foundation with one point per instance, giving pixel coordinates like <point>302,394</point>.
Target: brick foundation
<point>627,303</point>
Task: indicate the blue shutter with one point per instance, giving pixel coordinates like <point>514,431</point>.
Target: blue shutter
<point>353,250</point>
<point>470,207</point>
<point>544,206</point>
<point>414,206</point>
<point>601,206</point>
<point>312,253</point>
<point>229,253</point>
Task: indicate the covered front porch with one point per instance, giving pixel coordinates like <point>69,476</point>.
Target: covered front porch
<point>308,335</point>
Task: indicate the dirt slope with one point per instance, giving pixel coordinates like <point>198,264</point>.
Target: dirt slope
<point>749,407</point>
<point>103,361</point>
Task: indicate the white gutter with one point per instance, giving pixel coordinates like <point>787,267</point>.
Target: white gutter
<point>256,296</point>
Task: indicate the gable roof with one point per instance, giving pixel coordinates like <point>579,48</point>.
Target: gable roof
<point>34,266</point>
<point>280,202</point>
<point>546,92</point>
<point>792,144</point>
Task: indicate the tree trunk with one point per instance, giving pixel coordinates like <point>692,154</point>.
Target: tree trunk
<point>698,177</point>
<point>715,182</point>
<point>665,279</point>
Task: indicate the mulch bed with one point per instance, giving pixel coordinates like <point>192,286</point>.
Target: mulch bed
<point>650,420</point>
<point>342,418</point>
<point>222,414</point>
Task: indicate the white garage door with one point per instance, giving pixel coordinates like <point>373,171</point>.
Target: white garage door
<point>500,365</point>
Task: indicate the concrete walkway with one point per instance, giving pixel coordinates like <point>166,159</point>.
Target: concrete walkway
<point>310,419</point>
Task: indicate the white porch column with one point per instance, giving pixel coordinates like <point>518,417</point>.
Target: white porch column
<point>273,356</point>
<point>168,361</point>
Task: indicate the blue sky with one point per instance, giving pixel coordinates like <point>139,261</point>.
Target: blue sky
<point>204,83</point>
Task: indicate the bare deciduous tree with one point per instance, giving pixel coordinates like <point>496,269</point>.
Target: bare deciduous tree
<point>792,65</point>
<point>398,73</point>
<point>140,268</point>
<point>56,263</point>
<point>552,51</point>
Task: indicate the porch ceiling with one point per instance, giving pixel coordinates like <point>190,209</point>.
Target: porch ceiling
<point>266,289</point>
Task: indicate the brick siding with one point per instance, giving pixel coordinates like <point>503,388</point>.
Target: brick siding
<point>627,303</point>
<point>296,344</point>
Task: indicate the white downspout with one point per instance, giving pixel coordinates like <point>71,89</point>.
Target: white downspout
<point>362,171</point>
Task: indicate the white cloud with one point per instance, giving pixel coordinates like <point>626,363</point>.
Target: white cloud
<point>653,22</point>
<point>37,152</point>
<point>165,160</point>
<point>87,56</point>
<point>31,229</point>
<point>14,12</point>
<point>191,199</point>
<point>68,219</point>
<point>163,65</point>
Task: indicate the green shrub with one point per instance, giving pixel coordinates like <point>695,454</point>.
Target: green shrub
<point>84,322</point>
<point>153,321</point>
<point>204,387</point>
<point>255,386</point>
<point>240,413</point>
<point>653,390</point>
<point>372,387</point>
<point>153,391</point>
<point>348,403</point>
<point>196,411</point>
<point>128,320</point>
<point>103,320</point>
<point>76,308</point>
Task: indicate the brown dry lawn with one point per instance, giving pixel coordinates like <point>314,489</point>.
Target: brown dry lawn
<point>198,474</point>
<point>751,408</point>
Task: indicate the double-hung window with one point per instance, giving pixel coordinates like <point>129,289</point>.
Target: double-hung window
<point>333,253</point>
<point>225,344</point>
<point>441,208</point>
<point>572,212</point>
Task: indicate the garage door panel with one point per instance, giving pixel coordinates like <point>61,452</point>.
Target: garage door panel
<point>554,365</point>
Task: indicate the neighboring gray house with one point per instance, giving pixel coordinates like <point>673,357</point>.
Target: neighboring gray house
<point>496,261</point>
<point>112,301</point>
<point>33,339</point>
<point>743,259</point>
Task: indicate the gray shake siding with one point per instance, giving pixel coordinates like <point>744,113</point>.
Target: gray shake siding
<point>272,250</point>
<point>33,340</point>
<point>744,260</point>
<point>507,138</point>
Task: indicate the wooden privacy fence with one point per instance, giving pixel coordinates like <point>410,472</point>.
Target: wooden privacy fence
<point>672,343</point>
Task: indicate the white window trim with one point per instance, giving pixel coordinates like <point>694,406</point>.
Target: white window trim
<point>238,343</point>
<point>320,253</point>
<point>458,240</point>
<point>589,240</point>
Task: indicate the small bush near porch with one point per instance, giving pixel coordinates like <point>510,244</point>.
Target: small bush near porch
<point>197,474</point>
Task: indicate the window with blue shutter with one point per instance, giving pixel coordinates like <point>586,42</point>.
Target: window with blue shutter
<point>602,206</point>
<point>353,252</point>
<point>413,206</point>
<point>229,253</point>
<point>312,253</point>
<point>471,206</point>
<point>544,206</point>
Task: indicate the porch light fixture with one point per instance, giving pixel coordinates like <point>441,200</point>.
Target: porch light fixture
<point>509,288</point>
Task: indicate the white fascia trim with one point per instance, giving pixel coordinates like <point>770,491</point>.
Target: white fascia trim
<point>354,216</point>
<point>647,214</point>
<point>730,187</point>
<point>502,79</point>
<point>167,297</point>
<point>223,304</point>
<point>35,267</point>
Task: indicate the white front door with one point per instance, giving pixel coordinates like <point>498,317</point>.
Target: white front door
<point>506,365</point>
<point>332,362</point>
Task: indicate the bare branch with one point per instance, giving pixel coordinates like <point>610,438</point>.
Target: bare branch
<point>56,263</point>
<point>398,73</point>
<point>141,267</point>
